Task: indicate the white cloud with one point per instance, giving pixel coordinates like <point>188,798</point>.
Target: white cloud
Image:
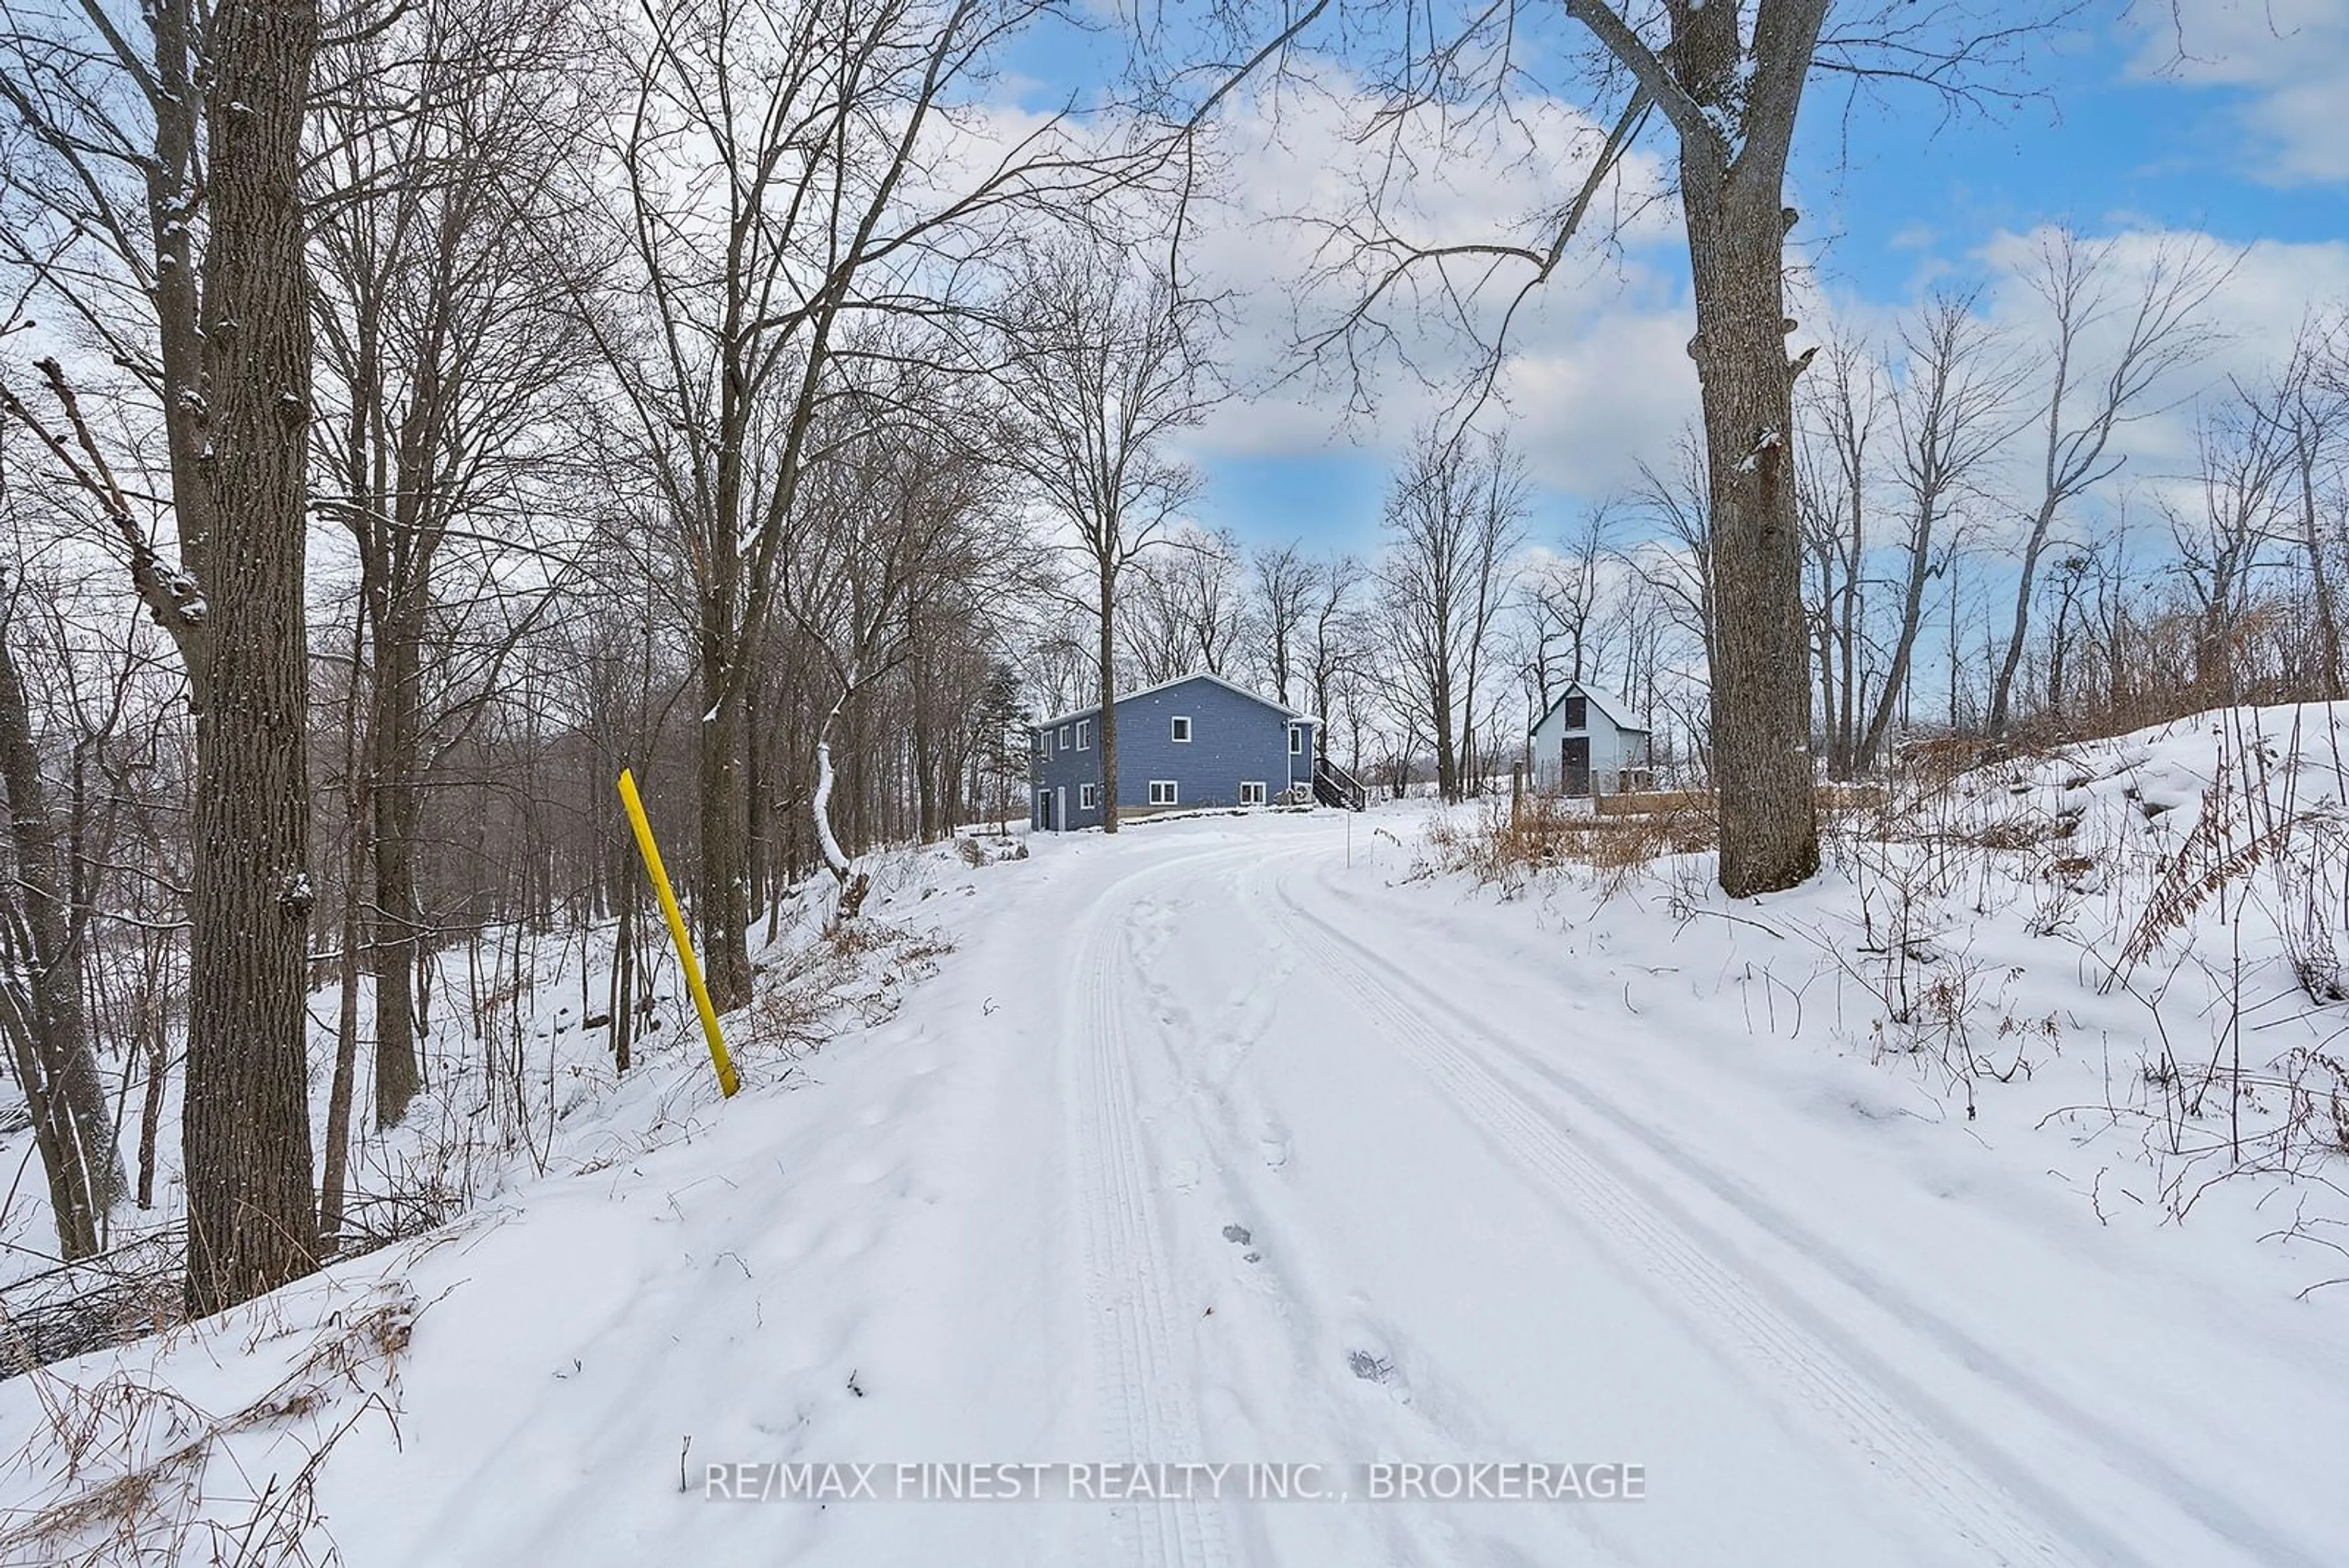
<point>2290,59</point>
<point>1595,400</point>
<point>2273,285</point>
<point>1302,168</point>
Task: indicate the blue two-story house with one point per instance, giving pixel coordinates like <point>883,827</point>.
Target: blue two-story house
<point>1197,742</point>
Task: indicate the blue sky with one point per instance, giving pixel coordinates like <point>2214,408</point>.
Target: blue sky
<point>2236,139</point>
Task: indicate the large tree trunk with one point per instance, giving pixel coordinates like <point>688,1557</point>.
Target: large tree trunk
<point>252,1223</point>
<point>1760,699</point>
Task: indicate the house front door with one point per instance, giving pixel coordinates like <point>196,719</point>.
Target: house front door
<point>1044,811</point>
<point>1576,760</point>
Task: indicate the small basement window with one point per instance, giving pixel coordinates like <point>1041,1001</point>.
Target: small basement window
<point>1084,734</point>
<point>1162,792</point>
<point>1181,726</point>
<point>1089,795</point>
<point>1251,793</point>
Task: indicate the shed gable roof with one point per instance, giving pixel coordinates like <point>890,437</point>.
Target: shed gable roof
<point>1617,715</point>
<point>1073,714</point>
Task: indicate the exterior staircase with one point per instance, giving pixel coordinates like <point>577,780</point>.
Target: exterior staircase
<point>1333,785</point>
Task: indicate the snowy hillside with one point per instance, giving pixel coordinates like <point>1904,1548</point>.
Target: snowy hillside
<point>1918,1216</point>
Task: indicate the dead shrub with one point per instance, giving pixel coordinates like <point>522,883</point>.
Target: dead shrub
<point>138,1473</point>
<point>855,972</point>
<point>1511,840</point>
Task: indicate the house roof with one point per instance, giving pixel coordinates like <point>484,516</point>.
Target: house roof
<point>1076,713</point>
<point>1617,715</point>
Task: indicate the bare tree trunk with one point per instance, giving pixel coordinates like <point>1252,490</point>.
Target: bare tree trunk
<point>1108,688</point>
<point>41,998</point>
<point>1761,707</point>
<point>397,806</point>
<point>850,884</point>
<point>2164,332</point>
<point>2312,533</point>
<point>356,827</point>
<point>251,1220</point>
<point>623,980</point>
<point>1904,646</point>
<point>721,901</point>
<point>2003,686</point>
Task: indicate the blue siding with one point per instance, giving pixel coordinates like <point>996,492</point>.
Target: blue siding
<point>1235,739</point>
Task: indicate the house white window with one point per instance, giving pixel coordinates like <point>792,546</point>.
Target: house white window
<point>1182,727</point>
<point>1089,795</point>
<point>1084,734</point>
<point>1064,737</point>
<point>1043,744</point>
<point>1162,792</point>
<point>1296,740</point>
<point>1251,793</point>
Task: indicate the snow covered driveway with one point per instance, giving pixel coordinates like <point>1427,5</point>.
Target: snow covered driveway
<point>1360,1186</point>
<point>1208,1147</point>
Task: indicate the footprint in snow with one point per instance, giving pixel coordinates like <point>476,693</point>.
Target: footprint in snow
<point>1239,1235</point>
<point>1373,1367</point>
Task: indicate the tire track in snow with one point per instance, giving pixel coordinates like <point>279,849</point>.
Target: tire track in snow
<point>1305,1324</point>
<point>1965,1489</point>
<point>1138,1377</point>
<point>2165,1482</point>
<point>2113,1445</point>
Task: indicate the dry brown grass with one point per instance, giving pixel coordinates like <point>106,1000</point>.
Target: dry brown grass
<point>1510,840</point>
<point>1834,797</point>
<point>853,975</point>
<point>140,1474</point>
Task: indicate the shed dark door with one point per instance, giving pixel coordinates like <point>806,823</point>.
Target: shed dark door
<point>1577,760</point>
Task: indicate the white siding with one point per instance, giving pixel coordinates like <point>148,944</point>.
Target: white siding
<point>1611,749</point>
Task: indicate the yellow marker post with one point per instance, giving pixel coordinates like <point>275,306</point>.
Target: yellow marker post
<point>727,1082</point>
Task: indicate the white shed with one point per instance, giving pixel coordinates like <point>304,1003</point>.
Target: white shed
<point>1588,743</point>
